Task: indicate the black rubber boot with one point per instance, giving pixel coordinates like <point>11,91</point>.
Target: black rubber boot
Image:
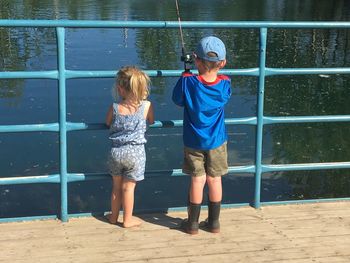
<point>191,225</point>
<point>213,224</point>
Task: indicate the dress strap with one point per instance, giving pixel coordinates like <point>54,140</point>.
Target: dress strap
<point>142,108</point>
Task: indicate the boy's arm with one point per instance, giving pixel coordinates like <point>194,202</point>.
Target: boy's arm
<point>227,91</point>
<point>178,97</point>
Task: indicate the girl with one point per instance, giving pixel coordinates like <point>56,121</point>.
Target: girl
<point>127,122</point>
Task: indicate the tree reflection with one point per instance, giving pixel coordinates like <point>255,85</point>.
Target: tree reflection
<point>18,47</point>
<point>310,95</point>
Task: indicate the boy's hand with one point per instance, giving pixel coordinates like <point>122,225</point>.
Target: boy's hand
<point>186,72</point>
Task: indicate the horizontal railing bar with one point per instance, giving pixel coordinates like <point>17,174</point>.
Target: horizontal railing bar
<point>229,121</point>
<point>303,119</point>
<point>321,200</point>
<point>54,178</point>
<point>305,71</point>
<point>75,177</point>
<point>157,124</point>
<point>241,121</point>
<point>51,74</point>
<point>101,126</point>
<point>167,124</point>
<point>82,23</point>
<point>176,73</point>
<point>257,24</point>
<point>74,74</point>
<point>76,126</point>
<point>170,24</point>
<point>304,166</point>
<point>242,169</point>
<point>27,218</point>
<point>234,72</point>
<point>239,72</point>
<point>49,127</point>
<point>79,177</point>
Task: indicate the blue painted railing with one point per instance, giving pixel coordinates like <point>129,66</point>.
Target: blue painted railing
<point>62,127</point>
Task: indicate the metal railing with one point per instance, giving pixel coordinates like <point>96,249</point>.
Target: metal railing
<point>63,127</point>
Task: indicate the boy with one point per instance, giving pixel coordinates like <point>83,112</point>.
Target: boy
<point>203,97</point>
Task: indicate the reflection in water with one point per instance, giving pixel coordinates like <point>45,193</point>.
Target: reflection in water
<point>35,101</point>
<point>299,185</point>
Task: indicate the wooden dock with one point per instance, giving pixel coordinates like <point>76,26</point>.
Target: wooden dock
<point>318,232</point>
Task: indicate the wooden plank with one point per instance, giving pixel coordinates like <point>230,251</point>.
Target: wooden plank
<point>247,235</point>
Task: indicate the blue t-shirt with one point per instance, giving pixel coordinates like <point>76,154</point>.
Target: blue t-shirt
<point>203,102</point>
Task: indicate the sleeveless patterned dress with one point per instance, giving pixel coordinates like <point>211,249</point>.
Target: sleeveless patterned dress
<point>127,157</point>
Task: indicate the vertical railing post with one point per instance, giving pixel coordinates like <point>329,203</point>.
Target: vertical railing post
<point>62,122</point>
<point>260,116</point>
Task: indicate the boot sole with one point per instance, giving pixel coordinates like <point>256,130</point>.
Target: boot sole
<point>192,232</point>
<point>208,228</point>
<point>214,230</point>
<point>189,230</point>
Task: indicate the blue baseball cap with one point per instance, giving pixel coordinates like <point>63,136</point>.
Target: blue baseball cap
<point>211,44</point>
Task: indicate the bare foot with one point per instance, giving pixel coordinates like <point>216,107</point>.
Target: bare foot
<point>112,219</point>
<point>132,223</point>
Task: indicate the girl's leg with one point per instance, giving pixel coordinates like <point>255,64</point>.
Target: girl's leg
<point>128,203</point>
<point>116,198</point>
<point>196,189</point>
<point>215,188</point>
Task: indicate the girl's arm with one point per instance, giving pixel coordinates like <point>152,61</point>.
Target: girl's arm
<point>150,114</point>
<point>109,116</point>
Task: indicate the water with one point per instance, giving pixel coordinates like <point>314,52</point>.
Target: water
<point>35,101</point>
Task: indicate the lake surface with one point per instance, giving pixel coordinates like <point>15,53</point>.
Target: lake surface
<point>36,101</point>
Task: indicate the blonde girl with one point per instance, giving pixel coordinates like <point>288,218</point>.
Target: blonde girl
<point>127,122</point>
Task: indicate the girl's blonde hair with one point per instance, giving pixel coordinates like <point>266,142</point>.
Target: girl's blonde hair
<point>134,81</point>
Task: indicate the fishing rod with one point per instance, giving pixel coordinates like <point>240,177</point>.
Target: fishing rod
<point>187,58</point>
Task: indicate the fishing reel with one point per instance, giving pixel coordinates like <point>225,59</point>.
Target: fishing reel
<point>188,60</point>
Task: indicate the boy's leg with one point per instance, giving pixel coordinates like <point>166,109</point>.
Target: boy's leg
<point>116,199</point>
<point>128,203</point>
<point>196,189</point>
<point>194,166</point>
<point>215,196</point>
<point>217,166</point>
<point>215,188</point>
<point>190,225</point>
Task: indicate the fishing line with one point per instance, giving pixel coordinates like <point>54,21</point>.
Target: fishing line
<point>180,28</point>
<point>186,58</point>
